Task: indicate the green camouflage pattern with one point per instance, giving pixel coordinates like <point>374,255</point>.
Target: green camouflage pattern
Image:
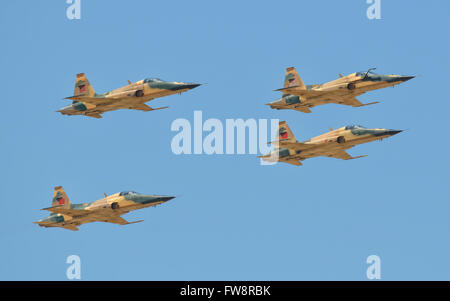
<point>344,90</point>
<point>64,214</point>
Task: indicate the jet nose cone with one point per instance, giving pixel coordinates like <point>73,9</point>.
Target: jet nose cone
<point>161,198</point>
<point>166,198</point>
<point>146,199</point>
<point>393,132</point>
<point>191,86</point>
<point>406,78</point>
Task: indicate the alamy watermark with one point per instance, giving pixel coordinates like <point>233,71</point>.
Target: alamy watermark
<point>373,272</point>
<point>73,11</point>
<point>191,140</point>
<point>374,10</point>
<point>73,272</point>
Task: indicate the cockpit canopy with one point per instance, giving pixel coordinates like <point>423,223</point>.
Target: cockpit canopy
<point>354,127</point>
<point>152,80</point>
<point>123,193</point>
<point>363,73</point>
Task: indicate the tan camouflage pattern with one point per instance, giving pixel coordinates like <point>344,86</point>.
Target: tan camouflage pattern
<point>82,86</point>
<point>132,96</point>
<point>332,144</point>
<point>344,90</point>
<point>109,209</point>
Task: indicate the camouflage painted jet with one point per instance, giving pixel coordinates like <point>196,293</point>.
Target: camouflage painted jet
<point>133,96</point>
<point>63,214</point>
<point>332,144</point>
<point>298,96</point>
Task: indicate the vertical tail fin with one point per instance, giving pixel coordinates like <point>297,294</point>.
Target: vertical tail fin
<point>82,86</point>
<point>285,133</point>
<point>60,198</point>
<point>292,79</point>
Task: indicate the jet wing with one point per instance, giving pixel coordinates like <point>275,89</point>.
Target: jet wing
<point>342,154</point>
<point>340,97</point>
<point>144,107</point>
<point>102,100</point>
<point>350,100</point>
<point>106,100</point>
<point>117,219</point>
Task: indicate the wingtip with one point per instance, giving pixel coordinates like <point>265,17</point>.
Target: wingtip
<point>368,104</point>
<point>134,222</point>
<point>358,157</point>
<point>160,108</point>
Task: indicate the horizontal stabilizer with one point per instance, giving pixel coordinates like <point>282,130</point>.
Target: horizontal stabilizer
<point>301,91</point>
<point>293,162</point>
<point>303,109</point>
<point>65,211</point>
<point>269,158</point>
<point>292,145</point>
<point>278,106</point>
<point>53,208</point>
<point>94,115</point>
<point>69,227</point>
<point>288,88</point>
<point>65,226</point>
<point>295,145</point>
<point>88,99</point>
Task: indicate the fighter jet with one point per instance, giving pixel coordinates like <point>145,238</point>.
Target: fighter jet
<point>298,96</point>
<point>69,216</point>
<point>332,144</point>
<point>133,96</point>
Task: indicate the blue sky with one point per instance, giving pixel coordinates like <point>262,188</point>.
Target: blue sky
<point>234,219</point>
